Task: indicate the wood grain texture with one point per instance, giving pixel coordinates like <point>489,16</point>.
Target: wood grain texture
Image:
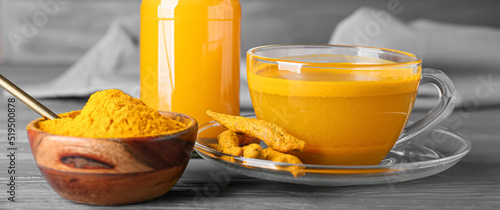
<point>474,183</point>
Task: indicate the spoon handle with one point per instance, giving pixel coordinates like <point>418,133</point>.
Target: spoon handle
<point>26,99</point>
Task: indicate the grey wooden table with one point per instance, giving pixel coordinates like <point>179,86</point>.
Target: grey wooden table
<point>474,183</point>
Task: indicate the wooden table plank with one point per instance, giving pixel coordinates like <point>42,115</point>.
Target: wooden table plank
<point>472,182</point>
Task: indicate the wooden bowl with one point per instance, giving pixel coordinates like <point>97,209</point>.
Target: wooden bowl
<point>113,171</point>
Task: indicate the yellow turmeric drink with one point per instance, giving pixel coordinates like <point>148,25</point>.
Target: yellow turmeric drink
<point>345,116</point>
<point>190,56</point>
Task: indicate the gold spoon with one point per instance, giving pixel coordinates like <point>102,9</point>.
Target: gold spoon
<point>26,99</point>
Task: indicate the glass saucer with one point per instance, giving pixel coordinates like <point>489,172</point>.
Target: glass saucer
<point>425,156</point>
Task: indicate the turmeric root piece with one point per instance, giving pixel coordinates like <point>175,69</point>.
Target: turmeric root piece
<point>273,155</point>
<point>249,151</point>
<point>273,135</point>
<point>236,151</point>
<point>243,140</point>
<point>247,139</point>
<point>220,149</point>
<point>216,147</point>
<point>229,143</point>
<point>253,151</point>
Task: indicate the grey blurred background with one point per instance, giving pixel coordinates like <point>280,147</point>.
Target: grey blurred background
<point>64,36</point>
<point>79,24</point>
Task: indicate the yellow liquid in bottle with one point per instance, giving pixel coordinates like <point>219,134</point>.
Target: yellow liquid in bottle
<point>190,52</point>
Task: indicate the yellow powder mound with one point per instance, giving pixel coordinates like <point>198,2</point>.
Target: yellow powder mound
<point>112,114</point>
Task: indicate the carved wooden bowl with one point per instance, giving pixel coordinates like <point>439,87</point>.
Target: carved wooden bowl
<point>113,171</point>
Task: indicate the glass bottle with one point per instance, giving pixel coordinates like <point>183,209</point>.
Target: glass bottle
<point>190,53</point>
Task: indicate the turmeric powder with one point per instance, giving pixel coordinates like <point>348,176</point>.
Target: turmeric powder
<point>112,114</point>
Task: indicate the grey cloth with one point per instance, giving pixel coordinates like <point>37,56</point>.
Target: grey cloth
<point>113,62</point>
<point>450,46</point>
<point>457,50</point>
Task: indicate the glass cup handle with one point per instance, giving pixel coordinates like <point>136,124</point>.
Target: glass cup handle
<point>445,106</point>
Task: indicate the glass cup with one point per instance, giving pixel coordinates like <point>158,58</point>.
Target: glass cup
<point>349,104</point>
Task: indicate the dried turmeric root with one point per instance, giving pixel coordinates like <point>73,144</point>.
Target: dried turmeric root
<point>216,147</point>
<point>273,135</point>
<point>243,140</point>
<point>229,143</point>
<point>273,155</point>
<point>219,148</point>
<point>248,151</point>
<point>253,151</point>
<point>247,139</point>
